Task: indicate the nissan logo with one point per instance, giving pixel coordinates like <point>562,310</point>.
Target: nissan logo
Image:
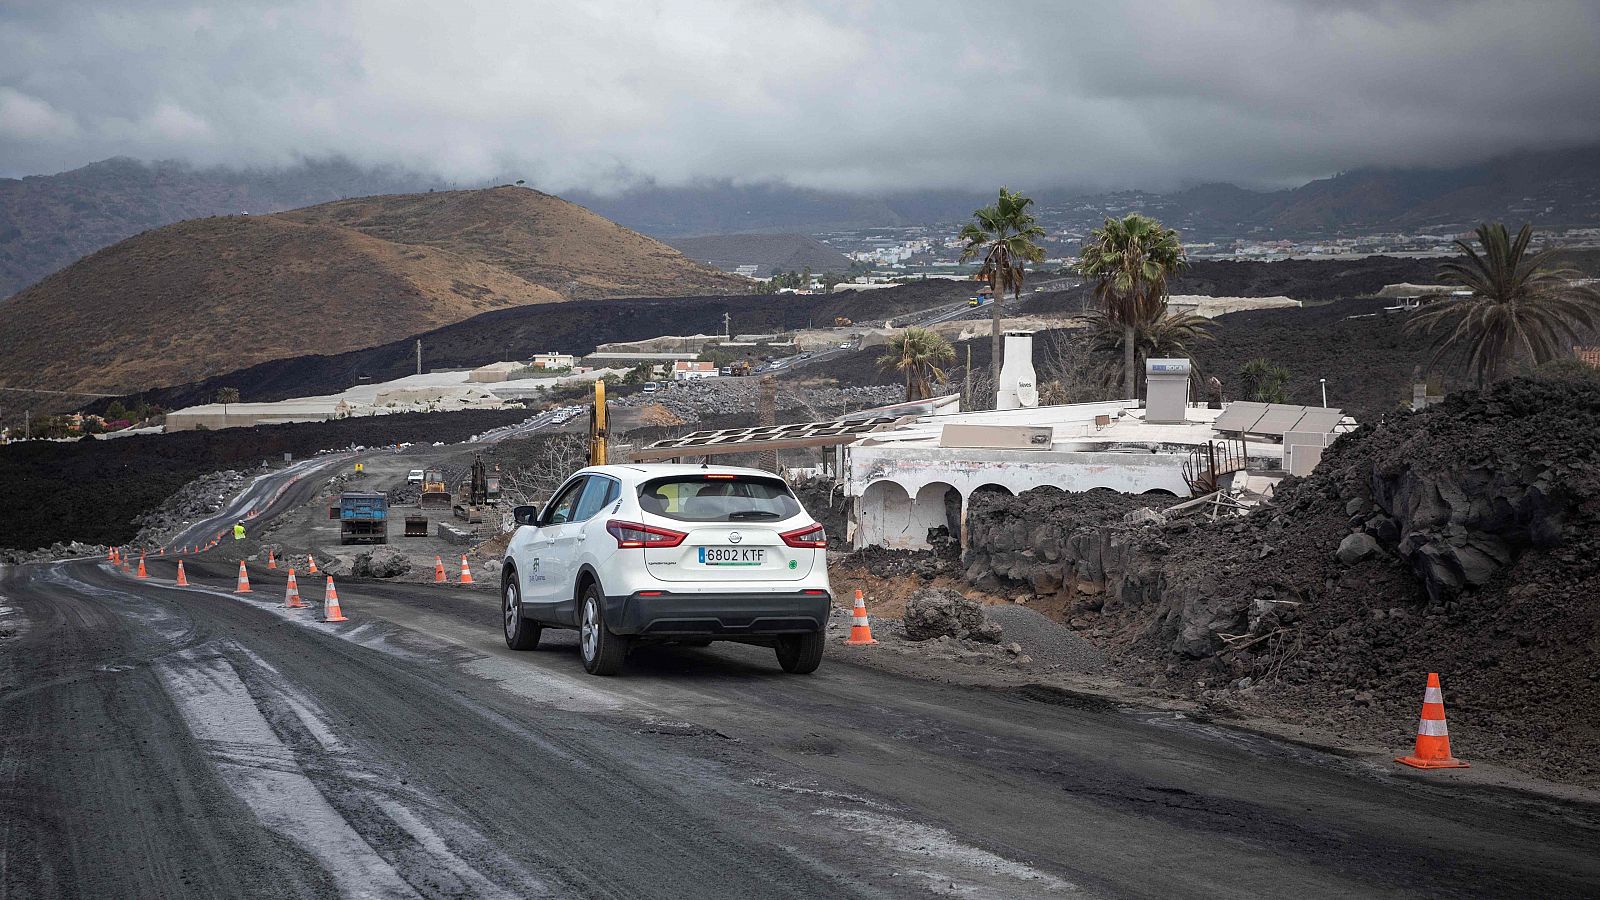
<point>733,537</point>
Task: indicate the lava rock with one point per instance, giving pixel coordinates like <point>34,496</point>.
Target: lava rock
<point>380,563</point>
<point>1356,547</point>
<point>941,612</point>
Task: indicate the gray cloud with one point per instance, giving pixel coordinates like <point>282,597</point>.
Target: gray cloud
<point>880,95</point>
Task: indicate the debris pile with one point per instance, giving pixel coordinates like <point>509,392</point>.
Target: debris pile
<point>58,550</point>
<point>202,497</point>
<point>694,400</point>
<point>381,562</point>
<point>941,612</point>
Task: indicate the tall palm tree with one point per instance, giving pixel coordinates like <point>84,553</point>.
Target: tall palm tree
<point>1167,336</point>
<point>917,352</point>
<point>1130,259</point>
<point>1003,234</point>
<point>1518,304</point>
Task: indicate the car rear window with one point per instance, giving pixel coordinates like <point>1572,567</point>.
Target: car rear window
<point>718,498</point>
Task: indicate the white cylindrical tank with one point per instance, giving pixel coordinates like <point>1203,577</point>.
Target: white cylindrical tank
<point>1019,386</point>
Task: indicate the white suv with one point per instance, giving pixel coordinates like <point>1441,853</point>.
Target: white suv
<point>629,554</point>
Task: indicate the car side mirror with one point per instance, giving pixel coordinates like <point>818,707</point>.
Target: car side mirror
<point>525,515</point>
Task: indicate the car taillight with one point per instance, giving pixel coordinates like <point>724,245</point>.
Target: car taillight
<point>810,536</point>
<point>632,535</point>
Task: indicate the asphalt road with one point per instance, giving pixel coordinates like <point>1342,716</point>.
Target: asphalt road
<point>162,742</point>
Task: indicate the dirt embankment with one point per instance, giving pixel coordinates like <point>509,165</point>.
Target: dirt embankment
<point>1463,540</point>
<point>98,490</point>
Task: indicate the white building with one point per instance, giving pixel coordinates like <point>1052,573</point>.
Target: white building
<point>687,369</point>
<point>553,360</point>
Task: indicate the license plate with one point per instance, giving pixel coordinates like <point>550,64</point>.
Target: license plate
<point>732,556</point>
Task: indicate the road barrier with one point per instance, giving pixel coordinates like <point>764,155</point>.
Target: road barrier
<point>330,603</point>
<point>244,580</point>
<point>1433,737</point>
<point>466,573</point>
<point>860,627</point>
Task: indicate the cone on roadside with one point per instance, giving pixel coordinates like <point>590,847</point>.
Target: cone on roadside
<point>1433,738</point>
<point>291,594</point>
<point>438,570</point>
<point>142,573</point>
<point>466,573</point>
<point>244,580</point>
<point>111,556</point>
<point>860,628</point>
<point>183,580</point>
<point>161,552</point>
<point>330,603</point>
<point>311,564</point>
<point>272,561</point>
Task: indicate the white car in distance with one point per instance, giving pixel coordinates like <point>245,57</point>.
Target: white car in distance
<point>648,553</point>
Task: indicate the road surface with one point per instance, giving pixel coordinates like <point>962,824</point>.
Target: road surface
<point>163,742</point>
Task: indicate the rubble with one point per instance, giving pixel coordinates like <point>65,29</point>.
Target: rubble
<point>381,562</point>
<point>202,497</point>
<point>58,550</point>
<point>941,612</point>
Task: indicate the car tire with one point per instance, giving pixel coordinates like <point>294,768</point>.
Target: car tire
<point>521,633</point>
<point>602,652</point>
<point>695,642</point>
<point>800,654</point>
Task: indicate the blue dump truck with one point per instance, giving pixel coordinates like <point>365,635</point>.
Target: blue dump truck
<point>363,517</point>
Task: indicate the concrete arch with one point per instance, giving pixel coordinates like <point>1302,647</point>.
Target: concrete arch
<point>1158,492</point>
<point>991,486</point>
<point>885,517</point>
<point>937,503</point>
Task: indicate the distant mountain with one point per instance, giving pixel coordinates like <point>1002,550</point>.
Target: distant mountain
<point>769,253</point>
<point>1548,188</point>
<point>49,221</point>
<point>198,298</point>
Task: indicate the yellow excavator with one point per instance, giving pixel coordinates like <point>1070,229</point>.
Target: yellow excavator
<point>435,495</point>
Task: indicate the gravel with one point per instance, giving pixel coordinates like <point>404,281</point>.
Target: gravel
<point>1046,640</point>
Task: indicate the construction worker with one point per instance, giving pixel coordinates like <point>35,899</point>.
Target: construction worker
<point>238,531</point>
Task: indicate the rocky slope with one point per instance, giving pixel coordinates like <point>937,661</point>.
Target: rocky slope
<point>1463,540</point>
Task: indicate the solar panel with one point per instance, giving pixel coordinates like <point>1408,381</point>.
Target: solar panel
<point>1278,419</point>
<point>1319,420</point>
<point>1239,416</point>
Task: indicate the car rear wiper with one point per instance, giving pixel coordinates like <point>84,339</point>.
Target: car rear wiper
<point>753,514</point>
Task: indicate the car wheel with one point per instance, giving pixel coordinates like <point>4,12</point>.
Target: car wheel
<point>800,654</point>
<point>695,642</point>
<point>601,650</point>
<point>521,634</point>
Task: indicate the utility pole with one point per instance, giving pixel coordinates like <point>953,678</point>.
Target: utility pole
<point>967,393</point>
<point>1324,382</point>
<point>27,424</point>
<point>727,327</point>
<point>419,356</point>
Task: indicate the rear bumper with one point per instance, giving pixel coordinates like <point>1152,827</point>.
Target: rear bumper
<point>727,615</point>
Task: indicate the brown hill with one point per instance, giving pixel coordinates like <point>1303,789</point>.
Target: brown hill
<point>208,296</point>
<point>541,238</point>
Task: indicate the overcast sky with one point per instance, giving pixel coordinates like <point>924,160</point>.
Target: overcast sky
<point>851,95</point>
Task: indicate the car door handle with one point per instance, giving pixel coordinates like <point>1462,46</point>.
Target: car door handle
<point>582,538</point>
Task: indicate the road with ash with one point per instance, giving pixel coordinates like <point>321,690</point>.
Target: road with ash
<point>166,742</point>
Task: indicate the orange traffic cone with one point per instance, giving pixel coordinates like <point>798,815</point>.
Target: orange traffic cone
<point>311,563</point>
<point>183,580</point>
<point>111,556</point>
<point>330,604</point>
<point>272,561</point>
<point>1433,738</point>
<point>466,573</point>
<point>142,572</point>
<point>291,594</point>
<point>161,552</point>
<point>438,570</point>
<point>860,628</point>
<point>244,580</point>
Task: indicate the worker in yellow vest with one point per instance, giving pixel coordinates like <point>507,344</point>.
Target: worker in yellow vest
<point>238,531</point>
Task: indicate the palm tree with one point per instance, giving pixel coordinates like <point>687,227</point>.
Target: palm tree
<point>1167,336</point>
<point>1130,259</point>
<point>1264,381</point>
<point>1518,304</point>
<point>1003,234</point>
<point>226,396</point>
<point>916,352</point>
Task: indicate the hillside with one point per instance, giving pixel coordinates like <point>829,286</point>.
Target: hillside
<point>207,296</point>
<point>533,235</point>
<point>51,221</point>
<point>768,252</point>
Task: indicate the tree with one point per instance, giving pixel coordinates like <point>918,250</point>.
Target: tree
<point>917,353</point>
<point>1264,381</point>
<point>1003,234</point>
<point>226,396</point>
<point>1130,260</point>
<point>1519,304</point>
<point>1166,336</point>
